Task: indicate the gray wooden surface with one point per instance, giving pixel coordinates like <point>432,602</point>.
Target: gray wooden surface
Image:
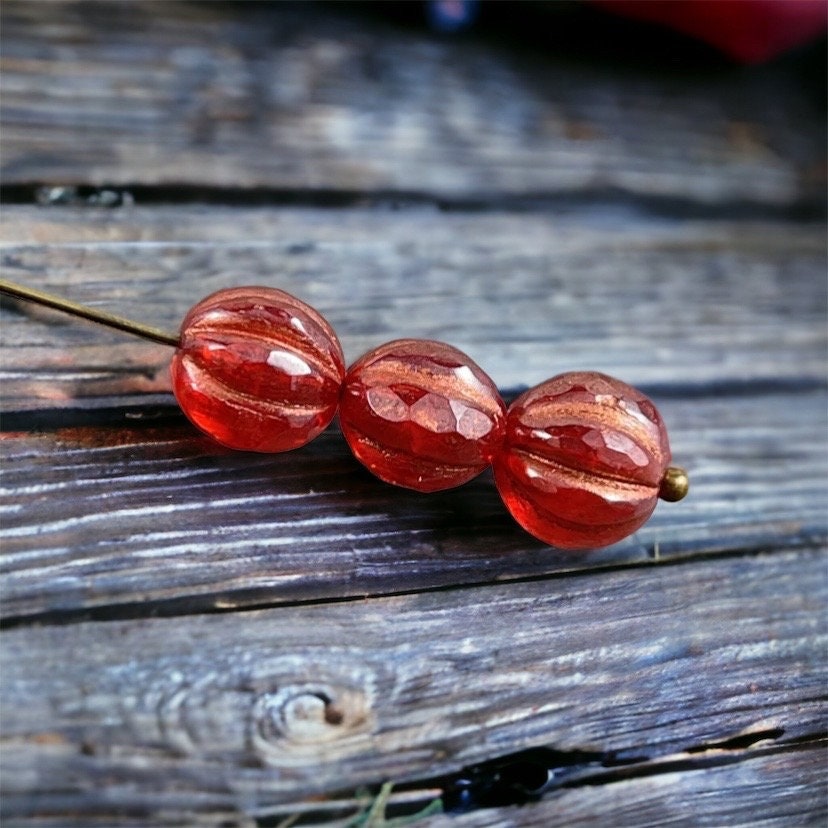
<point>204,711</point>
<point>194,636</point>
<point>302,96</point>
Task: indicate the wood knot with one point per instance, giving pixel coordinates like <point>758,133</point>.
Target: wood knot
<point>298,719</point>
<point>286,709</point>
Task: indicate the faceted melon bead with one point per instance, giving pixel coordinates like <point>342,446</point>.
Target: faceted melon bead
<point>421,414</point>
<point>257,369</point>
<point>582,461</point>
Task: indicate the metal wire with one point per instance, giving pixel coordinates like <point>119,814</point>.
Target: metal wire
<point>120,323</point>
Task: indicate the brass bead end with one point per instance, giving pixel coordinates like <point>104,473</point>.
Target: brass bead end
<point>674,485</point>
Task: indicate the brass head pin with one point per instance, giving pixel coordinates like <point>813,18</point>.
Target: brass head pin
<point>49,300</point>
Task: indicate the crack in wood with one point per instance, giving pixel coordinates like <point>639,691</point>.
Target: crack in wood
<point>529,775</point>
<point>239,602</point>
<point>741,741</point>
<point>586,201</point>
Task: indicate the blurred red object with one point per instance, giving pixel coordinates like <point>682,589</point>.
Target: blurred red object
<point>750,31</point>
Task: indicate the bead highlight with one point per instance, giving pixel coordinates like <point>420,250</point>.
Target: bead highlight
<point>257,369</point>
<point>583,460</point>
<point>421,414</point>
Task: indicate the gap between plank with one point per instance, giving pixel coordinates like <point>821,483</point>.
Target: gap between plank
<point>527,776</point>
<point>223,604</point>
<point>591,200</point>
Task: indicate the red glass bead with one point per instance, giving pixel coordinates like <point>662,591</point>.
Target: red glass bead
<point>258,369</point>
<point>582,461</point>
<point>421,414</point>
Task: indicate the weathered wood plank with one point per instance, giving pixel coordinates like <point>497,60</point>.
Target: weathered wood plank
<point>284,96</point>
<point>249,710</point>
<point>775,790</point>
<point>150,514</point>
<point>750,788</point>
<point>527,296</point>
<point>310,524</point>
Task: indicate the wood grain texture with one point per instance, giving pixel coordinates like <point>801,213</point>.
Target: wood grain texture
<point>245,710</point>
<point>202,638</point>
<point>296,97</point>
<point>150,515</point>
<point>526,296</point>
<point>765,787</point>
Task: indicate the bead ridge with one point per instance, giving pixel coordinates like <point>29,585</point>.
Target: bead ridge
<point>583,460</point>
<point>421,414</point>
<point>258,369</point>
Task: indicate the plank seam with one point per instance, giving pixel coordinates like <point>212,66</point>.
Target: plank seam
<point>193,605</point>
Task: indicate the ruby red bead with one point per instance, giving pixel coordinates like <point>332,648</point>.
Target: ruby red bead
<point>421,414</point>
<point>257,369</point>
<point>582,461</point>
